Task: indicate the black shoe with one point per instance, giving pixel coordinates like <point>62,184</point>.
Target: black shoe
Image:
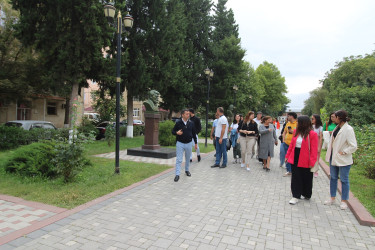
<point>214,155</point>
<point>199,158</point>
<point>223,166</point>
<point>176,178</point>
<point>191,160</point>
<point>267,169</point>
<point>215,166</point>
<point>188,173</point>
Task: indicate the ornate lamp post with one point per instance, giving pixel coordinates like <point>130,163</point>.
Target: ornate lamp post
<point>110,11</point>
<point>209,74</point>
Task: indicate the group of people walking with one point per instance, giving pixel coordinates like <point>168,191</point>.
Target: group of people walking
<point>301,143</point>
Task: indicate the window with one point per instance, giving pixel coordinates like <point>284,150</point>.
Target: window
<point>136,112</point>
<point>51,108</point>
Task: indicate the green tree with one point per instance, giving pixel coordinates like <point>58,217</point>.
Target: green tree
<point>19,71</point>
<point>227,57</point>
<point>69,35</point>
<point>315,102</point>
<point>351,86</point>
<point>198,52</point>
<point>170,57</point>
<point>274,99</point>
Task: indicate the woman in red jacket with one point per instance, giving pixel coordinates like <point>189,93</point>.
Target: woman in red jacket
<point>302,155</point>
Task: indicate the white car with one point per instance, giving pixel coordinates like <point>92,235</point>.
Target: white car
<point>30,124</point>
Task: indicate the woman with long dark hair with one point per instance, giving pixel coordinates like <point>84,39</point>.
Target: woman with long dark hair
<point>302,155</point>
<point>248,130</point>
<point>234,136</point>
<point>340,157</point>
<point>318,128</point>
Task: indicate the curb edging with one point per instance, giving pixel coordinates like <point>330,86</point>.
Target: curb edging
<point>360,212</point>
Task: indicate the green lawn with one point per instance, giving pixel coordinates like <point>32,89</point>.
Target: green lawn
<point>91,183</point>
<point>363,188</point>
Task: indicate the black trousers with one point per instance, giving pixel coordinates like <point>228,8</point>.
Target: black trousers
<point>302,179</point>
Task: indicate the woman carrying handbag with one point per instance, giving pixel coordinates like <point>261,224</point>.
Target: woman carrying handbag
<point>302,155</point>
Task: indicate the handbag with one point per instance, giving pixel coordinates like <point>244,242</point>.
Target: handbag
<point>316,165</point>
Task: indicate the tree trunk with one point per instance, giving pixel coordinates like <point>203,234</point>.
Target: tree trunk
<point>129,111</point>
<point>73,103</point>
<point>67,109</point>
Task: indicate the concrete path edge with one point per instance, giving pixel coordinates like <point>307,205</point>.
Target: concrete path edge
<point>360,212</point>
<point>63,213</point>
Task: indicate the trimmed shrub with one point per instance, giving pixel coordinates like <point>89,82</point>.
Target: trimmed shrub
<point>122,131</point>
<point>12,137</point>
<point>166,138</point>
<point>202,134</point>
<point>33,160</point>
<point>138,130</point>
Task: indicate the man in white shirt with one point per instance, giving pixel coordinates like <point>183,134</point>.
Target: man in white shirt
<point>258,119</point>
<point>221,137</point>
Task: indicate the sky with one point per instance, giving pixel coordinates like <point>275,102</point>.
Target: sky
<point>304,39</point>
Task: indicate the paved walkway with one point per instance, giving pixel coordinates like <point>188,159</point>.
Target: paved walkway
<point>227,208</point>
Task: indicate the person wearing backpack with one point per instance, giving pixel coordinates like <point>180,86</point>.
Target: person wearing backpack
<point>198,128</point>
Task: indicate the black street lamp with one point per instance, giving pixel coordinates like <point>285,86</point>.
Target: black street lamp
<point>110,11</point>
<point>209,74</point>
<point>235,88</point>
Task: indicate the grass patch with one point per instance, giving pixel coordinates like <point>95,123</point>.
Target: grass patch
<point>362,187</point>
<point>91,183</point>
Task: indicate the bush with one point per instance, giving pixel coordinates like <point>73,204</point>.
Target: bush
<point>33,160</point>
<point>138,130</point>
<point>69,159</point>
<point>202,134</point>
<point>123,131</point>
<point>166,138</point>
<point>12,137</point>
<point>365,154</point>
<point>88,128</point>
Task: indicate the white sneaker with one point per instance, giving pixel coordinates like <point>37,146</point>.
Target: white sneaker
<point>242,165</point>
<point>287,174</point>
<point>293,201</point>
<point>329,202</point>
<point>248,169</point>
<point>343,205</point>
<point>239,160</point>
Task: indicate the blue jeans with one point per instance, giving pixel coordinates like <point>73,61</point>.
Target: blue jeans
<point>180,148</point>
<point>282,154</point>
<point>344,178</point>
<point>287,164</point>
<point>221,149</point>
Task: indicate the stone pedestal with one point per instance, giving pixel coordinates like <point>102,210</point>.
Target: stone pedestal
<point>152,131</point>
<point>151,148</point>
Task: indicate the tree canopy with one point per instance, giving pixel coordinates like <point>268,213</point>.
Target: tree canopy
<point>350,85</point>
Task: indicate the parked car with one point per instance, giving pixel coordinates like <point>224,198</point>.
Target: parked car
<point>30,124</point>
<point>94,117</point>
<point>103,126</point>
<point>135,122</point>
